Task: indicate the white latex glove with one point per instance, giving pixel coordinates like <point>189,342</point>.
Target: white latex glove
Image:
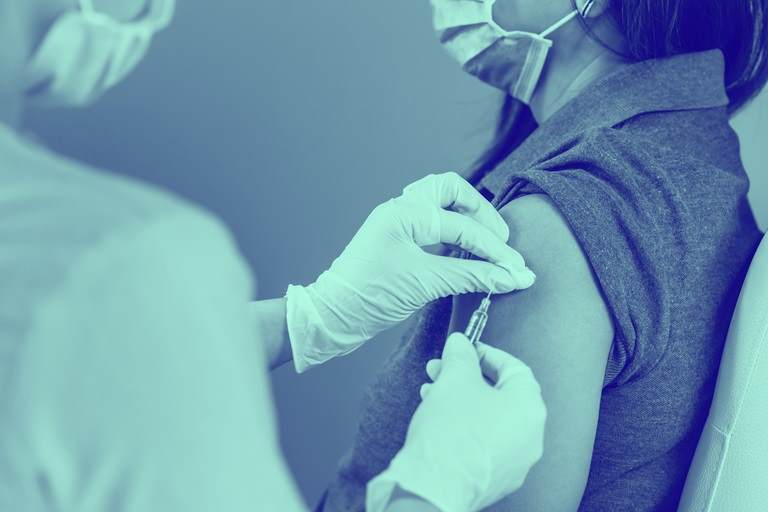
<point>384,275</point>
<point>472,441</point>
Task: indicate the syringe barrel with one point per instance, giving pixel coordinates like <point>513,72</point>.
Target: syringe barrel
<point>478,320</point>
<point>476,326</point>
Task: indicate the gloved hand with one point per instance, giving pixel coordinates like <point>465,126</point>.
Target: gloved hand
<point>384,275</point>
<point>470,443</point>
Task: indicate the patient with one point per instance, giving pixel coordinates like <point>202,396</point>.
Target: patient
<point>622,185</point>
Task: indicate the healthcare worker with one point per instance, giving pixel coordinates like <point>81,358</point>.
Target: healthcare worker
<point>132,359</point>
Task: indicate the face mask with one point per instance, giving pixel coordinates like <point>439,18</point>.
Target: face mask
<point>508,60</point>
<point>86,52</point>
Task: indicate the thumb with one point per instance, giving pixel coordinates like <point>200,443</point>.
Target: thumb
<point>459,357</point>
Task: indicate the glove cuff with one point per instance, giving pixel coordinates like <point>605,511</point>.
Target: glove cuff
<point>431,484</point>
<point>304,328</point>
<point>312,341</point>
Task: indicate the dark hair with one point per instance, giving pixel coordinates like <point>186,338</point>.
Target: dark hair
<point>664,28</point>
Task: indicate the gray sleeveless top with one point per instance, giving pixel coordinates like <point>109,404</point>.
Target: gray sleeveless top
<point>646,169</point>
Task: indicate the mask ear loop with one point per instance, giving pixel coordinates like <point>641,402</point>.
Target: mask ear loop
<point>587,8</point>
<point>583,13</point>
<point>157,17</point>
<point>559,24</point>
<point>86,5</point>
<point>160,13</point>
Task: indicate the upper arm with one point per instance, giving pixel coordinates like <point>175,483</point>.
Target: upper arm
<point>146,391</point>
<point>562,329</point>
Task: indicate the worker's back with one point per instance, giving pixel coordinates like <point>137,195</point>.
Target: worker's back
<point>53,213</point>
<point>131,379</point>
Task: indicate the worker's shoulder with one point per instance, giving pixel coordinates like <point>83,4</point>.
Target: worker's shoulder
<point>55,198</point>
<point>55,212</point>
<point>60,191</point>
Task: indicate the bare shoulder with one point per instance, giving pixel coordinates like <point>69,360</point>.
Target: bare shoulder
<point>536,224</point>
<point>565,280</point>
<point>562,328</point>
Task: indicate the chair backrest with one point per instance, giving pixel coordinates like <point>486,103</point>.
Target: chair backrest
<point>730,468</point>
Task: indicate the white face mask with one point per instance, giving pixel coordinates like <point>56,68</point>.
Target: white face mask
<point>86,52</point>
<point>508,60</point>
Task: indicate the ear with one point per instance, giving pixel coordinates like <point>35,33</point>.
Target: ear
<point>592,8</point>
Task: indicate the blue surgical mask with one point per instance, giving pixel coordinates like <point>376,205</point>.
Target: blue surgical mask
<point>512,61</point>
<point>86,52</point>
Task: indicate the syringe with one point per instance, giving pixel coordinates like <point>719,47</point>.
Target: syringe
<point>479,318</point>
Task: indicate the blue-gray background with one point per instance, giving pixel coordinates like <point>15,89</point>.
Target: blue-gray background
<point>291,120</point>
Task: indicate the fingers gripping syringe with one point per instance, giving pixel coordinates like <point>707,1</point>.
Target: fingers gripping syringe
<point>479,318</point>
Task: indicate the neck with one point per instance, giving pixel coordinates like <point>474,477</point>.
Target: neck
<point>11,107</point>
<point>11,78</point>
<point>570,69</point>
<point>19,34</point>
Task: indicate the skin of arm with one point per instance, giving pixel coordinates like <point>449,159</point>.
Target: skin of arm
<point>562,329</point>
<point>270,328</point>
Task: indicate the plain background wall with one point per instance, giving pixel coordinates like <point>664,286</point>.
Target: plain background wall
<point>291,121</point>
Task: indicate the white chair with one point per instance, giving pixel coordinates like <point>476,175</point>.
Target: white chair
<point>730,469</point>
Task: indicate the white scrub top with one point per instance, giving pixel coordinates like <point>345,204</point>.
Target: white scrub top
<point>130,380</point>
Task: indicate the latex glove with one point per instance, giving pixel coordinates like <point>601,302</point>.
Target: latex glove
<point>384,275</point>
<point>472,440</point>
